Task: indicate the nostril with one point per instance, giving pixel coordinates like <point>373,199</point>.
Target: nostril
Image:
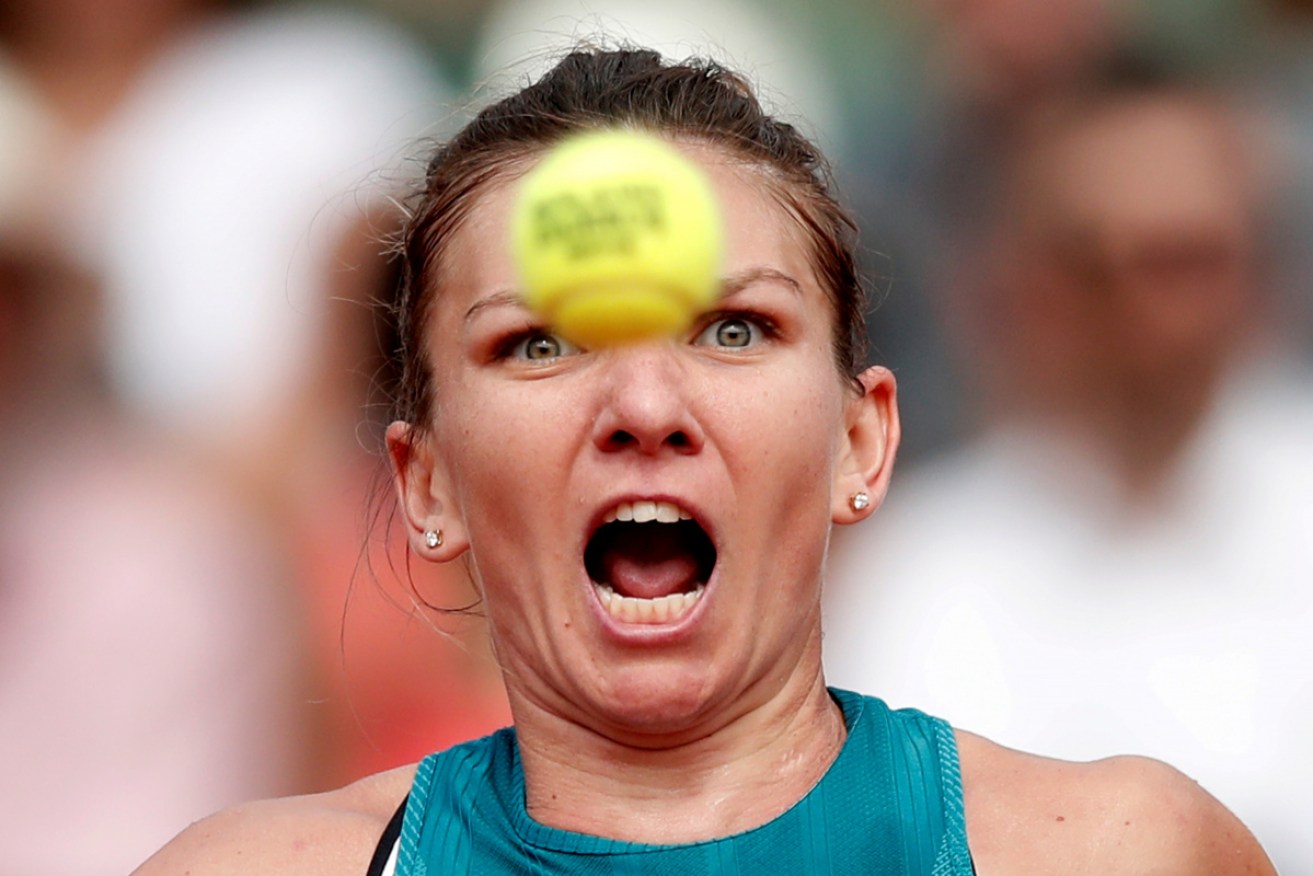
<point>620,438</point>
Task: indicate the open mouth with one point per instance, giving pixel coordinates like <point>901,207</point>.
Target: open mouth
<point>649,562</point>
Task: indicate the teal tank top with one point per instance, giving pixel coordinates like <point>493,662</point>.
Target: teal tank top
<point>890,804</point>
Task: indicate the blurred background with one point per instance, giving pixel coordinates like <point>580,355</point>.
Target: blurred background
<point>1084,223</point>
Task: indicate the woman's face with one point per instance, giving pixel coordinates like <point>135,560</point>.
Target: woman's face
<point>740,437</point>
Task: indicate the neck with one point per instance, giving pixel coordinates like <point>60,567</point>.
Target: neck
<point>1137,426</point>
<point>736,778</point>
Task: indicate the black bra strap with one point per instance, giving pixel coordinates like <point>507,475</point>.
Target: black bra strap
<point>391,835</point>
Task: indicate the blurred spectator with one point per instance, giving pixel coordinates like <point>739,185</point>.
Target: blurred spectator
<point>149,657</point>
<point>213,155</point>
<point>920,164</point>
<point>213,168</point>
<point>1121,561</point>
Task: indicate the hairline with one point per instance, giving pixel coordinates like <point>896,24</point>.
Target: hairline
<point>510,162</point>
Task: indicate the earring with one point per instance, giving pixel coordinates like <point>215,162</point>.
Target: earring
<point>859,501</point>
<point>433,538</point>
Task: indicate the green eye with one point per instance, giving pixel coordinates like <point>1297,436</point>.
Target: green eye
<point>734,333</point>
<point>731,332</point>
<point>543,347</point>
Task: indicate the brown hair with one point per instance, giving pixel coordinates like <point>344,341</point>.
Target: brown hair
<point>596,88</point>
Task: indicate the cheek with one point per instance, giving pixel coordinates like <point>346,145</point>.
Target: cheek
<point>502,442</point>
<point>786,506</point>
<point>787,424</point>
<point>499,457</point>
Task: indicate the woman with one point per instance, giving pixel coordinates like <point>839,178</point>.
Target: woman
<point>648,526</point>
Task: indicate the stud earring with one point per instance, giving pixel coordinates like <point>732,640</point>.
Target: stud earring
<point>859,501</point>
<point>433,538</point>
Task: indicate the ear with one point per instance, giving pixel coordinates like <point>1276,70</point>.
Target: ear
<point>869,444</point>
<point>424,494</point>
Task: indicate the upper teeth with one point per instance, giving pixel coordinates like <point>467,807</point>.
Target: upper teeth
<point>646,512</point>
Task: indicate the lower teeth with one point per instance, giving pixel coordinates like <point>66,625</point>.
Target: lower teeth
<point>633,610</point>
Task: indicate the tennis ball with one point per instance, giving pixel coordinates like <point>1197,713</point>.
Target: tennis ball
<point>617,237</point>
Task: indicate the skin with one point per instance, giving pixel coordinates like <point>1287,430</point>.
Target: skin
<point>1129,278</point>
<point>717,724</point>
<point>691,415</point>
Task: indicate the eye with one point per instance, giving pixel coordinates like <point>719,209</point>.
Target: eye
<point>540,346</point>
<point>536,346</point>
<point>734,332</point>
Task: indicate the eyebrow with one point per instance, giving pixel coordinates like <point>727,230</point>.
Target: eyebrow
<point>742,280</point>
<point>733,284</point>
<point>504,298</point>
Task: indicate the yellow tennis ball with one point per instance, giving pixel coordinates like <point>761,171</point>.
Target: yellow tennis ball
<point>617,238</point>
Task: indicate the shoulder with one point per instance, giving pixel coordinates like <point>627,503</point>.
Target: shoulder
<point>315,835</point>
<point>1125,815</point>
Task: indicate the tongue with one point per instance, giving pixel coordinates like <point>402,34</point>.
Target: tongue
<point>649,561</point>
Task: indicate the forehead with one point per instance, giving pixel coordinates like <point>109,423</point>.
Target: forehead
<point>1155,165</point>
<point>759,230</point>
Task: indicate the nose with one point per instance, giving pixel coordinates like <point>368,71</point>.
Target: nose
<point>646,403</point>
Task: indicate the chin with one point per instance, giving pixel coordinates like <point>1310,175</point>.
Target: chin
<point>661,702</point>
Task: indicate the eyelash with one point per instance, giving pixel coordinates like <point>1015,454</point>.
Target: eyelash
<point>507,348</point>
<point>760,321</point>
